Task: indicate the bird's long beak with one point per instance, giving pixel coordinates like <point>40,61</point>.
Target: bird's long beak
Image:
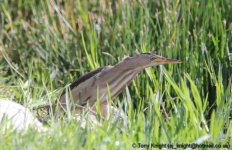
<point>164,60</point>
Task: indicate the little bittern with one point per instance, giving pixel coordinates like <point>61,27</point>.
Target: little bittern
<point>97,84</point>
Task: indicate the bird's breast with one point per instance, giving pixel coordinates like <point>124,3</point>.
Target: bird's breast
<point>102,86</point>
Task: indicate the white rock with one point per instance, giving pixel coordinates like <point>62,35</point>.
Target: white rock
<point>17,116</point>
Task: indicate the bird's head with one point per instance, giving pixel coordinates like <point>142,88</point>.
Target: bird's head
<point>144,60</point>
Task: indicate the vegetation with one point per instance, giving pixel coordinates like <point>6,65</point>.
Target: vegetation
<point>44,45</point>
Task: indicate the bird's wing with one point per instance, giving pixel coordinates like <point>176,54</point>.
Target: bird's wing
<point>85,77</point>
<point>79,81</point>
<point>84,87</point>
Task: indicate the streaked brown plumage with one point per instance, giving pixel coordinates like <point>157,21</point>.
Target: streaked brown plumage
<point>97,84</point>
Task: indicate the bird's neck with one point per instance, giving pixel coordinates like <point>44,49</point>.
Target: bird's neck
<point>129,63</point>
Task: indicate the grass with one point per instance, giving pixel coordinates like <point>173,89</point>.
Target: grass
<point>47,44</point>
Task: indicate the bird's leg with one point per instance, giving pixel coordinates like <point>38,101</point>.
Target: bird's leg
<point>114,113</point>
<point>105,108</point>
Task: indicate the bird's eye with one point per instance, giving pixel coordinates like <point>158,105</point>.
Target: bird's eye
<point>152,58</point>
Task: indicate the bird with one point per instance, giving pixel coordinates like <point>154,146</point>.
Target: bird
<point>98,84</point>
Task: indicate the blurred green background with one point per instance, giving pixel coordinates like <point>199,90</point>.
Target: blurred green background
<point>44,45</point>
